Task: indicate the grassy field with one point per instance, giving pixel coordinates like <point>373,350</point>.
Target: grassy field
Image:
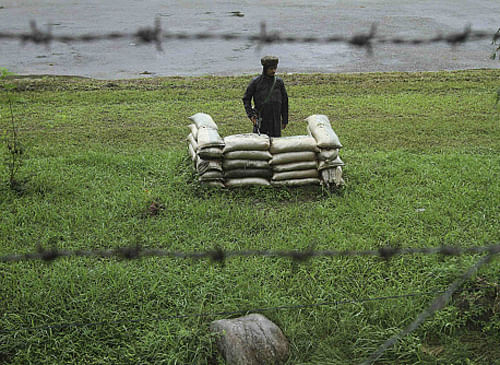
<point>423,169</point>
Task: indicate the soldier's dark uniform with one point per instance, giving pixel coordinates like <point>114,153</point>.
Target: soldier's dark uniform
<point>275,112</point>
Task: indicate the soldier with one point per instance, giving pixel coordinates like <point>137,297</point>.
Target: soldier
<point>270,113</point>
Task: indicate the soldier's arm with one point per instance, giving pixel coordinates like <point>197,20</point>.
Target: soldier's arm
<point>247,99</point>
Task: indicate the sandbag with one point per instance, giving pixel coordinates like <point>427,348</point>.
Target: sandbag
<point>245,164</point>
<point>246,181</point>
<point>203,120</point>
<point>293,144</point>
<point>320,128</point>
<point>192,141</point>
<point>328,155</point>
<point>246,142</point>
<point>289,157</point>
<point>192,153</point>
<point>305,165</point>
<point>208,137</point>
<point>210,153</point>
<point>207,165</point>
<point>266,173</point>
<point>248,155</point>
<point>211,175</point>
<point>332,176</point>
<point>194,130</point>
<point>298,174</point>
<point>327,164</point>
<point>214,183</point>
<point>296,182</point>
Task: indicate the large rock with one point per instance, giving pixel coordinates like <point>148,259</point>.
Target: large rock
<point>249,340</point>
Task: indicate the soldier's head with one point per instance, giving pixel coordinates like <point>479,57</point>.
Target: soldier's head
<point>269,64</point>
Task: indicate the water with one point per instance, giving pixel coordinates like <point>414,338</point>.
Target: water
<point>125,59</point>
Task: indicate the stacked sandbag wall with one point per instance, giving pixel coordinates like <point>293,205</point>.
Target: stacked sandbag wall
<point>246,160</point>
<point>206,150</point>
<point>294,161</point>
<point>328,143</point>
<point>252,159</point>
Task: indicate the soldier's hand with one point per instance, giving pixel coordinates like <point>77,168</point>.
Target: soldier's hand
<point>283,125</point>
<point>254,120</point>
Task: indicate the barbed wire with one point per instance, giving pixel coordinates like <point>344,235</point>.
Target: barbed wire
<point>220,255</point>
<point>156,35</point>
<point>58,326</point>
<point>436,305</point>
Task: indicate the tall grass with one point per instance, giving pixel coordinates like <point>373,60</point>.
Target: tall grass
<point>423,165</point>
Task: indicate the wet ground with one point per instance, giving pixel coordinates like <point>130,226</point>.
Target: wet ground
<point>126,59</point>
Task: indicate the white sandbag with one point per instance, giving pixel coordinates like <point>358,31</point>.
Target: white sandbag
<point>246,142</point>
<point>248,155</point>
<point>296,182</point>
<point>289,157</point>
<point>203,166</point>
<point>192,153</point>
<point>208,137</point>
<point>214,183</point>
<point>332,176</point>
<point>298,174</point>
<point>327,164</point>
<point>328,155</point>
<point>320,128</point>
<point>194,130</point>
<point>203,120</point>
<point>293,144</point>
<point>305,165</point>
<point>192,141</point>
<point>210,153</point>
<point>265,173</point>
<point>245,164</point>
<point>211,175</point>
<point>246,181</point>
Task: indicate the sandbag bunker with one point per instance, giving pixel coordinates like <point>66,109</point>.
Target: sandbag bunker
<point>252,159</point>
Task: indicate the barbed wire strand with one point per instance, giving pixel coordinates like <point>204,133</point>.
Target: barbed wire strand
<point>156,36</point>
<point>59,326</point>
<point>220,255</point>
<point>436,305</point>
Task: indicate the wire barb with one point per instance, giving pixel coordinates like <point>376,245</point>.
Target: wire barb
<point>264,37</point>
<point>220,255</point>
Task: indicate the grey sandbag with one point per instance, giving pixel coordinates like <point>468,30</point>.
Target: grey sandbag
<point>246,142</point>
<point>192,140</point>
<point>299,174</point>
<point>207,165</point>
<point>246,181</point>
<point>194,130</point>
<point>289,157</point>
<point>214,183</point>
<point>192,153</point>
<point>296,182</point>
<point>305,165</point>
<point>320,128</point>
<point>208,137</point>
<point>326,164</point>
<point>210,153</point>
<point>248,155</point>
<point>293,144</point>
<point>245,164</point>
<point>328,155</point>
<point>266,173</point>
<point>333,176</point>
<point>203,120</point>
<point>211,175</point>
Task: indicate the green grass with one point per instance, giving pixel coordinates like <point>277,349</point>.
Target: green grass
<point>100,152</point>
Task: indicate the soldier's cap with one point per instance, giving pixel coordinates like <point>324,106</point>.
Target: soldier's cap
<point>269,61</point>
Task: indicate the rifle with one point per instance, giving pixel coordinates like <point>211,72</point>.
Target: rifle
<point>258,124</point>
